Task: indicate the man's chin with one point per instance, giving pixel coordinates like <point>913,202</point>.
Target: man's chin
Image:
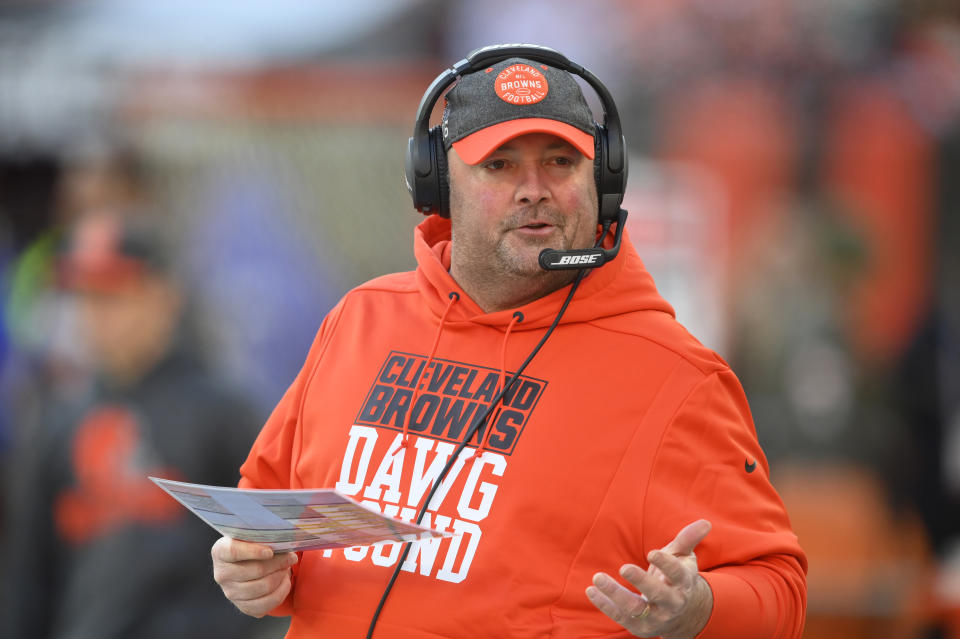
<point>529,267</point>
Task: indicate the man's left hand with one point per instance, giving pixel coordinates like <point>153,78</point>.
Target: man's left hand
<point>676,601</point>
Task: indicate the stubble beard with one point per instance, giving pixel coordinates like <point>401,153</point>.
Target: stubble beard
<point>508,269</point>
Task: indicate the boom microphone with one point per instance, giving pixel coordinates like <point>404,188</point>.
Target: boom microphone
<point>555,260</point>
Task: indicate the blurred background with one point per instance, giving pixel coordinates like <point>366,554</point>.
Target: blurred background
<point>794,189</point>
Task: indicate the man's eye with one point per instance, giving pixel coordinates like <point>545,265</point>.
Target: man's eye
<point>496,164</point>
<point>562,160</point>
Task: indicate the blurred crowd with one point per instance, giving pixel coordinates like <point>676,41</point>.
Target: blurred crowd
<point>176,221</point>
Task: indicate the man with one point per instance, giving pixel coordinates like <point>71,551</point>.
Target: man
<point>583,506</point>
<point>92,550</point>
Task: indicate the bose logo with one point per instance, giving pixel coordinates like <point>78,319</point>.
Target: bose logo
<point>578,259</point>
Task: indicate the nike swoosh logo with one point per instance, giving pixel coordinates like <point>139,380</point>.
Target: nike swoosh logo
<point>747,466</point>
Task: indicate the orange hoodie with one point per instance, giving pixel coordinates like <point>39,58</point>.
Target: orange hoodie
<point>622,430</point>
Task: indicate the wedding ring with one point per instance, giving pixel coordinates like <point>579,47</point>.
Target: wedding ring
<point>646,608</point>
<point>638,617</point>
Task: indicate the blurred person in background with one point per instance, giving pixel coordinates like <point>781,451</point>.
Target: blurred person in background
<point>92,547</point>
<point>47,363</point>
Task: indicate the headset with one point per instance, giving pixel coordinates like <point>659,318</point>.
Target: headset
<point>425,168</point>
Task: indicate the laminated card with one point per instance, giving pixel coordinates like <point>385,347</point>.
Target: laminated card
<point>289,520</point>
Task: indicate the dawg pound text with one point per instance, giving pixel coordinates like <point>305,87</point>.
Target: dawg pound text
<point>452,397</point>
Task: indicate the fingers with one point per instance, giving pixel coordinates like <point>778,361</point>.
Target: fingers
<point>657,590</point>
<point>251,576</point>
<point>674,570</point>
<point>658,608</point>
<point>688,538</point>
<point>251,571</point>
<point>235,561</point>
<point>260,606</point>
<point>233,550</point>
<point>616,594</point>
<point>620,604</point>
<point>669,588</point>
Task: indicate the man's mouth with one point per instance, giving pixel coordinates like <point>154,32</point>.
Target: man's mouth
<point>537,229</point>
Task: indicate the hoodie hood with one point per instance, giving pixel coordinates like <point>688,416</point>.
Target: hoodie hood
<point>620,286</point>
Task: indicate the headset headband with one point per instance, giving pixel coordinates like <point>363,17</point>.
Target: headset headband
<point>422,161</point>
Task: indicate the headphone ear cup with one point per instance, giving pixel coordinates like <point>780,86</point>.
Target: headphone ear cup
<point>429,190</point>
<point>600,175</point>
<point>610,185</point>
<point>441,168</point>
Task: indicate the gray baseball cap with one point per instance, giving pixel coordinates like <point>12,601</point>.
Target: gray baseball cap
<point>514,97</point>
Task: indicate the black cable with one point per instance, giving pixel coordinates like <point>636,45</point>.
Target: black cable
<point>470,433</point>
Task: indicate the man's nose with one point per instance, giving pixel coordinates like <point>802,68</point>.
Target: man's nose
<point>532,187</point>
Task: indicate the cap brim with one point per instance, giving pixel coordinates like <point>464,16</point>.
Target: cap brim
<point>476,146</point>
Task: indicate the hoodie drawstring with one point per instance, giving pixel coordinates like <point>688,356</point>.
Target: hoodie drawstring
<point>517,318</point>
<point>438,481</point>
<point>454,296</point>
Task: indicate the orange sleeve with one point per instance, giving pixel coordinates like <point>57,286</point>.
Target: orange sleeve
<point>709,465</point>
<point>758,587</point>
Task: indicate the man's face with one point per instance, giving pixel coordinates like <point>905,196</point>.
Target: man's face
<point>534,192</point>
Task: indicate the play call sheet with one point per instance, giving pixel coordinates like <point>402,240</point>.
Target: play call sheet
<point>289,520</point>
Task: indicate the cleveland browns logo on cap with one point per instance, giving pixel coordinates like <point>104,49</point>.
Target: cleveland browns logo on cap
<point>521,84</point>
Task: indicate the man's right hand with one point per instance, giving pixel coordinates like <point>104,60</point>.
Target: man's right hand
<point>251,576</point>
